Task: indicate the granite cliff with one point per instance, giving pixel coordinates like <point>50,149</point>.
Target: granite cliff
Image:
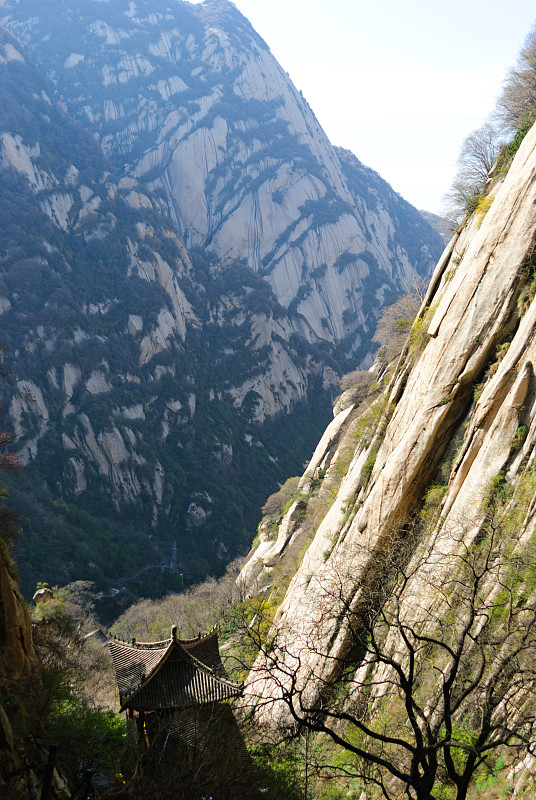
<point>440,462</point>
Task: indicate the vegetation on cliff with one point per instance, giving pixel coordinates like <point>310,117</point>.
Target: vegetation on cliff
<point>489,149</point>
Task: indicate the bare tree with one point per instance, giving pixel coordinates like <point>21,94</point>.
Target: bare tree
<point>395,321</point>
<point>514,113</point>
<point>516,106</point>
<point>478,154</point>
<point>439,669</point>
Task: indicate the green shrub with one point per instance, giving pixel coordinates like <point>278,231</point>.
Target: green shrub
<point>279,502</point>
<point>508,152</point>
<point>368,466</point>
<point>88,738</point>
<point>519,436</point>
<point>499,490</point>
<point>471,203</point>
<point>368,424</point>
<point>279,770</point>
<point>484,205</point>
<point>418,337</point>
<point>526,296</point>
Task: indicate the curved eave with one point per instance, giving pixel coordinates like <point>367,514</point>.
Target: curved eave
<point>217,688</point>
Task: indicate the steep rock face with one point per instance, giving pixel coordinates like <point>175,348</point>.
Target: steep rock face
<point>18,657</point>
<point>477,309</point>
<point>20,674</point>
<point>18,663</point>
<point>190,100</point>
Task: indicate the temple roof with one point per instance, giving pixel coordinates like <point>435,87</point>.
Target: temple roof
<point>174,673</point>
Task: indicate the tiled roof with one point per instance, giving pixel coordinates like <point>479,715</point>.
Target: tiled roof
<point>206,649</point>
<point>175,673</point>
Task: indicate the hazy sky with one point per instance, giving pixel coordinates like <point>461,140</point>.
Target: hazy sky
<point>398,83</point>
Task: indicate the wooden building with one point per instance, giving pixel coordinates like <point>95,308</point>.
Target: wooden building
<point>176,690</point>
<point>170,675</point>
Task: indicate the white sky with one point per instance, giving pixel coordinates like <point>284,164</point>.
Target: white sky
<point>398,82</point>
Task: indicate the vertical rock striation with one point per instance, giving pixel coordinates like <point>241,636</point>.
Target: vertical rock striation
<point>479,306</point>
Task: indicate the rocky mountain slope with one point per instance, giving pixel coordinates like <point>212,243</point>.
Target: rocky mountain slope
<point>436,467</point>
<point>125,358</point>
<point>162,384</point>
<point>190,100</point>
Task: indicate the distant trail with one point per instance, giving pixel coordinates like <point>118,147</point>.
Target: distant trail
<point>151,566</point>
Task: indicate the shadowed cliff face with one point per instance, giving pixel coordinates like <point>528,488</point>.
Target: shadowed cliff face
<point>19,667</point>
<point>18,657</point>
<point>459,417</point>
